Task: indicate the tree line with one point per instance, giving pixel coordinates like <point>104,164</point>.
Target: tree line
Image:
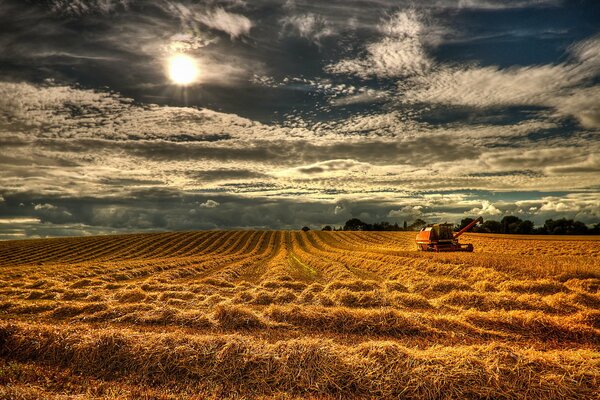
<point>515,225</point>
<point>507,225</point>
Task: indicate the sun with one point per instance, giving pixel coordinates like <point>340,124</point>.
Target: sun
<point>182,69</point>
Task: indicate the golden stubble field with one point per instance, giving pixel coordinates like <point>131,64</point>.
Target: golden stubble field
<point>272,314</point>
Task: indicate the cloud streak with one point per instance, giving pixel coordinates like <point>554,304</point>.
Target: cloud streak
<point>400,52</point>
<point>235,25</point>
<point>308,26</point>
<point>565,87</point>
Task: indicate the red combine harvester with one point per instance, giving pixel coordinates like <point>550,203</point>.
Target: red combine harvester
<point>439,237</point>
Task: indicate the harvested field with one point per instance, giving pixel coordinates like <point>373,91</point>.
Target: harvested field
<point>272,314</point>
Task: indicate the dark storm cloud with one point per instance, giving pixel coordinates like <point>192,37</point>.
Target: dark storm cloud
<point>155,211</point>
<point>149,210</point>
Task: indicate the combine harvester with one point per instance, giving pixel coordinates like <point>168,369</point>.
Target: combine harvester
<point>439,237</point>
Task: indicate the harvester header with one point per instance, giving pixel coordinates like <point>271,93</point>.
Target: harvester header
<point>440,237</point>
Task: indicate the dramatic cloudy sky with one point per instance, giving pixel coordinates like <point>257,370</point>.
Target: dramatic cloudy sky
<point>304,113</point>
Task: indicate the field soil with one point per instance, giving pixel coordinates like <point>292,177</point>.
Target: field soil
<point>286,315</point>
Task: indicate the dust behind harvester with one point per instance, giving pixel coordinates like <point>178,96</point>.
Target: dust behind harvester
<point>440,237</point>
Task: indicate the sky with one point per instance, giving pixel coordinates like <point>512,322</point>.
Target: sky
<point>301,113</point>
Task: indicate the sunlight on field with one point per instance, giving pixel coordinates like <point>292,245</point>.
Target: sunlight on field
<point>298,314</point>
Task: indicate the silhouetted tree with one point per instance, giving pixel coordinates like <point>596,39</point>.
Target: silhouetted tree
<point>464,222</point>
<point>380,226</point>
<point>326,228</point>
<point>524,227</point>
<point>354,224</point>
<point>417,225</point>
<point>565,226</point>
<point>305,228</point>
<point>510,223</point>
<point>489,226</point>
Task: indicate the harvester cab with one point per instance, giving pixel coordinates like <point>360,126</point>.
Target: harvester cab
<point>440,237</point>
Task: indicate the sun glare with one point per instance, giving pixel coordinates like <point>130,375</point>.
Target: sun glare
<point>182,69</point>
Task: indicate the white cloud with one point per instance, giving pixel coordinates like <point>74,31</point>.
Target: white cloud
<point>583,104</point>
<point>235,25</point>
<point>584,206</point>
<point>195,17</point>
<point>564,87</point>
<point>209,204</point>
<point>591,164</point>
<point>66,112</point>
<point>185,42</point>
<point>534,158</point>
<point>45,206</point>
<point>487,208</point>
<point>364,96</point>
<point>399,53</point>
<point>486,86</point>
<point>560,206</point>
<point>308,26</point>
<point>586,202</point>
<point>406,212</point>
<point>19,220</point>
